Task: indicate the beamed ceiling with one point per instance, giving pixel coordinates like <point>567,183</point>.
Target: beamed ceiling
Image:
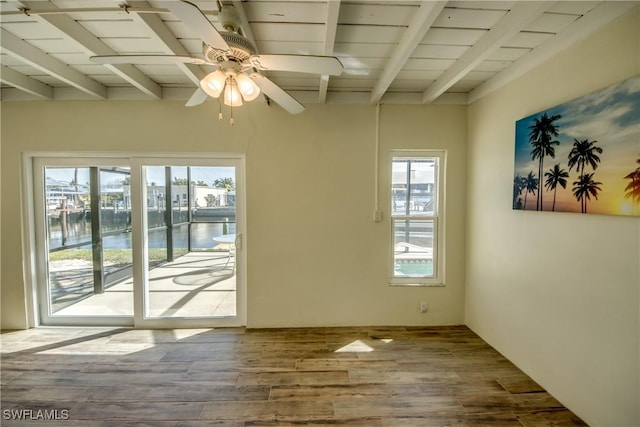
<point>400,52</point>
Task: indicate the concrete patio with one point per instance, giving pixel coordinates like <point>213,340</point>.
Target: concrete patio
<point>198,284</point>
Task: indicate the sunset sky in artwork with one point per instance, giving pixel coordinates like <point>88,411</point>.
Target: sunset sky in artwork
<point>612,118</point>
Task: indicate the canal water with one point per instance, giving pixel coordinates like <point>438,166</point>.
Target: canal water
<point>201,234</point>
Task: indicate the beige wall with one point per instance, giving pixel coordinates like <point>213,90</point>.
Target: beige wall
<point>315,256</point>
<point>556,293</point>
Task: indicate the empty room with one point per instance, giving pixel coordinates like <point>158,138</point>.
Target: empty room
<point>360,213</point>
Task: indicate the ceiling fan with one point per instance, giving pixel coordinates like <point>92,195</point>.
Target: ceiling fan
<point>237,76</point>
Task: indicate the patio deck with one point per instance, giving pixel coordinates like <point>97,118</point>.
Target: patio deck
<point>198,284</point>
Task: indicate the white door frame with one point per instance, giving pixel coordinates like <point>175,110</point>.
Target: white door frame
<point>35,245</point>
<point>140,249</point>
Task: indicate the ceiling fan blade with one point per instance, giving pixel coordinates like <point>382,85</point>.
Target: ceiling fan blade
<point>198,97</point>
<point>277,94</point>
<point>298,63</point>
<point>147,59</point>
<point>193,18</point>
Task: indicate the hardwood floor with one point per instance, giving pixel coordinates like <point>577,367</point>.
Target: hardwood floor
<point>444,376</point>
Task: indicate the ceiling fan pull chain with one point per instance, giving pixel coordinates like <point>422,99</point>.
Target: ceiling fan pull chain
<point>219,109</point>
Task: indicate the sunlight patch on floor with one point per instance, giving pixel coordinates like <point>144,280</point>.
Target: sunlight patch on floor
<point>356,346</point>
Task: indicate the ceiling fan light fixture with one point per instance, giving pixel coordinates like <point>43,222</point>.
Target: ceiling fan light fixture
<point>247,87</point>
<point>232,95</point>
<point>213,84</point>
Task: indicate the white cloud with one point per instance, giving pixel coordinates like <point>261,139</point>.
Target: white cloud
<point>602,126</point>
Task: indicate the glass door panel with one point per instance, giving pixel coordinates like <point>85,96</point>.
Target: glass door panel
<point>198,280</point>
<point>88,245</point>
<point>115,224</point>
<point>180,209</point>
<point>68,223</point>
<point>157,211</point>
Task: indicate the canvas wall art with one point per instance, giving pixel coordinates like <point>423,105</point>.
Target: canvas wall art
<point>582,156</point>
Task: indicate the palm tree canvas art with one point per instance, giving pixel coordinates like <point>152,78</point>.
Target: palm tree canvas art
<point>582,156</point>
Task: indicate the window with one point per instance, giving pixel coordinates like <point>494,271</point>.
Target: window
<point>417,179</point>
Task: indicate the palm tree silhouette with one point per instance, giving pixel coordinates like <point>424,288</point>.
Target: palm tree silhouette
<point>584,153</point>
<point>531,185</point>
<point>633,188</point>
<point>555,176</point>
<point>541,136</point>
<point>519,184</point>
<point>224,183</point>
<point>584,188</point>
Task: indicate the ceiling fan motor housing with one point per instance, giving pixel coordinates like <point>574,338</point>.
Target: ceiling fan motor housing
<point>241,49</point>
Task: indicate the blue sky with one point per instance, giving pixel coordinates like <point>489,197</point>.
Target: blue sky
<point>206,174</point>
<point>610,116</point>
<point>154,173</point>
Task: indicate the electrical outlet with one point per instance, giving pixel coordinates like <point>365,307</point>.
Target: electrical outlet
<point>423,307</point>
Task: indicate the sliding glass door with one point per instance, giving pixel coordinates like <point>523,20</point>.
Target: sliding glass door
<point>191,242</point>
<point>83,211</point>
<point>145,242</point>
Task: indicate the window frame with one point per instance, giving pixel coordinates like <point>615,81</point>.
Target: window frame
<point>438,218</point>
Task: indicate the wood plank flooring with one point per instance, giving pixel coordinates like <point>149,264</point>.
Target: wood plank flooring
<point>444,376</point>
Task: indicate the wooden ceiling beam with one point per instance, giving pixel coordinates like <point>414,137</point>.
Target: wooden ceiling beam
<point>426,14</point>
<point>330,29</point>
<point>244,22</point>
<point>601,15</point>
<point>520,15</point>
<point>25,83</point>
<point>159,30</point>
<point>33,56</point>
<point>95,46</point>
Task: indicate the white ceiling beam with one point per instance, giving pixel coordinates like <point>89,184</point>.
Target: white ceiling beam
<point>245,28</point>
<point>424,17</point>
<point>244,22</point>
<point>95,46</point>
<point>160,31</point>
<point>98,10</point>
<point>33,56</point>
<point>324,87</point>
<point>601,15</point>
<point>330,29</point>
<point>309,97</point>
<point>520,15</point>
<point>25,83</point>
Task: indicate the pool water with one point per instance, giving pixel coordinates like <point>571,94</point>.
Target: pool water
<point>414,268</point>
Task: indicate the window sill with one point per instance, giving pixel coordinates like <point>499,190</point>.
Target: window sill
<point>417,283</point>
